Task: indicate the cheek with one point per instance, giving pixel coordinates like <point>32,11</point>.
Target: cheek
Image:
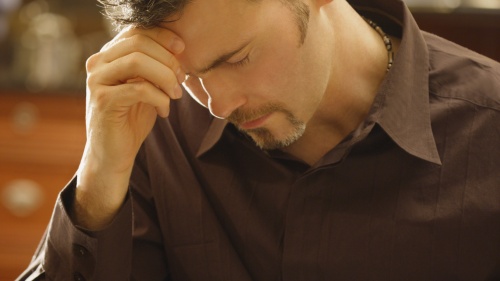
<point>294,77</point>
<point>275,75</point>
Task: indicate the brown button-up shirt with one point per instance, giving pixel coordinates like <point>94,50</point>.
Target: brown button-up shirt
<point>412,194</point>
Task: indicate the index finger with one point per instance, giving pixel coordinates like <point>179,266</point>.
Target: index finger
<point>164,37</point>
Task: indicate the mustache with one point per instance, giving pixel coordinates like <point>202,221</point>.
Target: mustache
<point>241,116</point>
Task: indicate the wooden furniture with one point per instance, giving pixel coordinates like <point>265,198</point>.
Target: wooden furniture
<point>41,142</point>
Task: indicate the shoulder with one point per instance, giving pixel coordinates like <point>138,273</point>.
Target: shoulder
<point>459,73</point>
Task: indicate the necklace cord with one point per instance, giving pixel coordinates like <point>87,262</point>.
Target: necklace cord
<point>387,42</point>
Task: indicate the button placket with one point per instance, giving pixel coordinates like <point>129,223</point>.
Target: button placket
<point>83,264</point>
<point>79,250</point>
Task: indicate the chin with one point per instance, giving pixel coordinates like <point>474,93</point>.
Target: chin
<point>266,140</point>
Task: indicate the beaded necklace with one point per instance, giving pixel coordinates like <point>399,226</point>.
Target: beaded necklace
<point>387,42</point>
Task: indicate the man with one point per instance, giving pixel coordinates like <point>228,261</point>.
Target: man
<point>328,147</point>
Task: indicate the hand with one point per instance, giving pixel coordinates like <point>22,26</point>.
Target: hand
<point>129,82</point>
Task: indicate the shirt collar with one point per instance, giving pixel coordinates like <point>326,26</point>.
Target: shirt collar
<point>401,107</point>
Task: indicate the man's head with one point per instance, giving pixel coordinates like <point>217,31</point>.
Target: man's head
<point>262,64</point>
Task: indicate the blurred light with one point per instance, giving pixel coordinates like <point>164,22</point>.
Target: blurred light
<point>33,9</point>
<point>484,4</point>
<point>9,5</point>
<point>448,5</point>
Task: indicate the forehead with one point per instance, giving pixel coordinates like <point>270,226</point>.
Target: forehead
<point>210,27</point>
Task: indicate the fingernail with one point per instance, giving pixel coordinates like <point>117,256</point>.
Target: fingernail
<point>176,45</point>
<point>181,77</point>
<point>177,91</point>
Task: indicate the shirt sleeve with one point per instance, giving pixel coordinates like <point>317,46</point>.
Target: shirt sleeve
<point>131,247</point>
<point>68,252</point>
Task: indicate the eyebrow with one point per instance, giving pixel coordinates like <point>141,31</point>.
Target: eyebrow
<point>221,59</point>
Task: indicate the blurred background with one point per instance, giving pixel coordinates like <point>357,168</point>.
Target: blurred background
<point>43,48</point>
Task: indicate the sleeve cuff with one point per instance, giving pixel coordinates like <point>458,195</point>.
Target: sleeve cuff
<point>76,253</point>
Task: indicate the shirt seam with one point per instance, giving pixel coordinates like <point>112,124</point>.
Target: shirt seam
<point>484,106</point>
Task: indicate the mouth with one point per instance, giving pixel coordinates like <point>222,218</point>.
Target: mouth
<point>253,124</point>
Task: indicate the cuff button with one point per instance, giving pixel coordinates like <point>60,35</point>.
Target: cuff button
<point>77,276</point>
<point>79,251</point>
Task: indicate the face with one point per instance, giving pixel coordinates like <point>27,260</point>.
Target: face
<point>247,63</point>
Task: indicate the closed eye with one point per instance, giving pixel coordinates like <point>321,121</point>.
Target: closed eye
<point>239,63</point>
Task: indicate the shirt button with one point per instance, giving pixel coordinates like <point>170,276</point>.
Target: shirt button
<point>79,251</point>
<point>78,277</point>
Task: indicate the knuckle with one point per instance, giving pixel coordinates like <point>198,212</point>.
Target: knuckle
<point>139,87</point>
<point>137,41</point>
<point>133,60</point>
<point>99,98</point>
<point>91,78</point>
<point>99,95</point>
<point>92,61</point>
<point>94,77</point>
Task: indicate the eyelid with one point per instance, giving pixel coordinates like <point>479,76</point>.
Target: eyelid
<point>237,58</point>
<point>241,62</point>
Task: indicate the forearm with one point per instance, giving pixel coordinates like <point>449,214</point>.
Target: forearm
<point>99,193</point>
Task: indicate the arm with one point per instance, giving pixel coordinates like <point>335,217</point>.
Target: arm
<point>130,82</point>
<point>67,250</point>
<point>114,253</point>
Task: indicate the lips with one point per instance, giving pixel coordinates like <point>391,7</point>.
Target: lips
<point>255,123</point>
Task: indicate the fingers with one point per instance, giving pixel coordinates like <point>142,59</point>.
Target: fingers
<point>132,93</point>
<point>141,40</point>
<point>159,43</point>
<point>162,36</point>
<point>142,44</point>
<point>138,65</point>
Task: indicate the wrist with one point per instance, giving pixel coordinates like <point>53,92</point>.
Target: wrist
<point>99,194</point>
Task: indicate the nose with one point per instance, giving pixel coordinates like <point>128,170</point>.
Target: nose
<point>220,98</point>
<point>222,104</point>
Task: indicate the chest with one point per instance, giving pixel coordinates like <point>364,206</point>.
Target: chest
<point>382,215</point>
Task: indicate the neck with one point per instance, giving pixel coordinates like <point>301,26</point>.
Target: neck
<point>358,68</point>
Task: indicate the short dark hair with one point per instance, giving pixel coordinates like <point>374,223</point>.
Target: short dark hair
<point>150,13</point>
<point>141,13</point>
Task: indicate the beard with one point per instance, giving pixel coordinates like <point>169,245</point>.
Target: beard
<point>263,137</point>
